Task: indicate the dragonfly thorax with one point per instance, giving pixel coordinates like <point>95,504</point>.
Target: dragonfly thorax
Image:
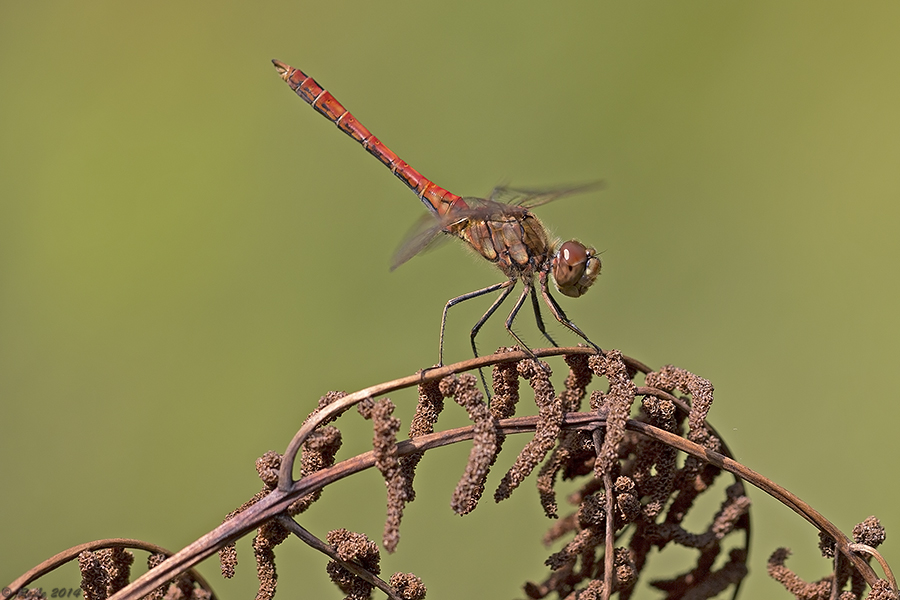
<point>515,241</point>
<point>575,267</point>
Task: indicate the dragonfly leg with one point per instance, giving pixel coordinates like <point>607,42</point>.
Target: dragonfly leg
<point>512,317</point>
<point>558,313</point>
<point>509,285</point>
<point>503,285</point>
<point>529,289</point>
<point>537,316</point>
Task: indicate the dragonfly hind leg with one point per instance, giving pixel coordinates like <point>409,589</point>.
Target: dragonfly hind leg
<point>512,316</point>
<point>506,286</point>
<point>509,285</point>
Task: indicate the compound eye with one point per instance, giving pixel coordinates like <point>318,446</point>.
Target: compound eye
<point>569,265</point>
<point>573,253</point>
<point>575,267</point>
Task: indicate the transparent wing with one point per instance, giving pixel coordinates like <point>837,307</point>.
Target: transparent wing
<point>425,234</point>
<point>532,198</point>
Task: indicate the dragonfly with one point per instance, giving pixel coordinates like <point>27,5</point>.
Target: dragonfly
<point>501,228</point>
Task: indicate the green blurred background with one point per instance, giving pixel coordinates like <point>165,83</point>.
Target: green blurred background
<point>190,256</point>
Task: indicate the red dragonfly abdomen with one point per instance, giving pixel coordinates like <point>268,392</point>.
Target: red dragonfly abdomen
<point>437,199</point>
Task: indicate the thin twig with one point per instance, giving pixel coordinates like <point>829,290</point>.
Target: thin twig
<point>314,542</point>
<point>835,586</point>
<point>610,527</point>
<point>888,574</point>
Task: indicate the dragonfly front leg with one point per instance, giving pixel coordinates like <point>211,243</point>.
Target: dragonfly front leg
<point>537,317</point>
<point>506,286</point>
<point>558,313</point>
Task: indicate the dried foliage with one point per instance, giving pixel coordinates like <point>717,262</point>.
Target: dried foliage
<point>464,391</point>
<point>384,444</point>
<point>357,548</point>
<point>867,536</point>
<point>104,572</point>
<point>546,433</point>
<point>633,489</point>
<point>105,567</point>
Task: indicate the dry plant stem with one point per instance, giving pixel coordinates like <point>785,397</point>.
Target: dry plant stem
<point>610,542</point>
<point>866,549</point>
<point>835,591</point>
<point>278,501</point>
<point>327,550</point>
<point>608,557</point>
<point>835,588</point>
<point>288,491</point>
<point>70,554</point>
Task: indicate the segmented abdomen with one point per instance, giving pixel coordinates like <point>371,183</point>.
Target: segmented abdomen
<point>436,198</point>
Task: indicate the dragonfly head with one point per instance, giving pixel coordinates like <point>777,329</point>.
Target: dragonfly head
<point>575,267</point>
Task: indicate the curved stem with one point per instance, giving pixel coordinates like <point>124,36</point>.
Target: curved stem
<point>285,475</point>
<point>70,554</point>
<point>888,574</point>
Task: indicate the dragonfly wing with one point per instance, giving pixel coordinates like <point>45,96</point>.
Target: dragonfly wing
<point>531,198</point>
<point>423,235</point>
<point>426,233</point>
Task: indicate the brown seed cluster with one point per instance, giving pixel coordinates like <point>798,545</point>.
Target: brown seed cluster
<point>384,445</point>
<point>104,572</point>
<point>871,533</point>
<point>546,433</point>
<point>355,548</point>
